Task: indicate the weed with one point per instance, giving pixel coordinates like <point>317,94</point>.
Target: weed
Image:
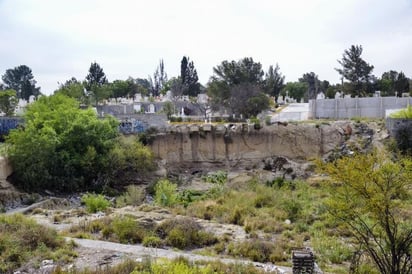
<point>152,241</point>
<point>184,233</point>
<point>134,196</point>
<point>95,202</point>
<point>127,230</point>
<point>165,193</point>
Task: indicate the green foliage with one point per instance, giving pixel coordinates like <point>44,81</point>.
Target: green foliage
<point>331,249</point>
<point>95,202</point>
<point>393,82</point>
<point>165,193</point>
<point>370,198</point>
<point>61,146</point>
<point>403,113</point>
<point>274,81</point>
<point>134,196</point>
<point>256,250</point>
<point>22,240</point>
<point>74,89</point>
<point>189,78</point>
<point>219,177</point>
<point>184,233</point>
<point>127,230</point>
<point>152,241</point>
<point>22,81</point>
<point>295,90</point>
<point>129,159</point>
<point>168,109</point>
<point>354,69</point>
<point>8,101</point>
<point>237,85</point>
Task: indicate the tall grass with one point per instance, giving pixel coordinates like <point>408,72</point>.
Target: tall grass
<point>23,240</point>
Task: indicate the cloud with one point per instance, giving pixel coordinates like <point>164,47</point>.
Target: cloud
<point>59,39</point>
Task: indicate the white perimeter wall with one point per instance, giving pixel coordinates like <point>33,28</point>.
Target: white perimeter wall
<point>344,108</point>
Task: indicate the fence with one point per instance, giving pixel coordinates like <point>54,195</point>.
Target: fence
<point>344,108</point>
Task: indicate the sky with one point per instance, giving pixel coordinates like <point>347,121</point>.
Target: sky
<point>59,39</point>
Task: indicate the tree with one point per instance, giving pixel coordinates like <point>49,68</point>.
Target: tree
<point>387,83</point>
<point>295,90</point>
<point>354,69</point>
<point>61,146</point>
<point>313,83</point>
<point>402,84</point>
<point>143,86</point>
<point>8,101</point>
<point>96,83</point>
<point>274,81</point>
<point>168,109</point>
<point>393,82</point>
<point>247,99</point>
<point>96,76</point>
<point>74,89</point>
<point>242,71</point>
<point>22,81</point>
<point>371,199</point>
<point>232,80</point>
<point>122,88</point>
<point>159,79</point>
<point>189,78</point>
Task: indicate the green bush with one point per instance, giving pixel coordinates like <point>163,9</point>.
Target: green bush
<point>95,202</point>
<point>166,193</point>
<point>134,196</point>
<point>152,241</point>
<point>184,233</point>
<point>256,250</point>
<point>61,147</point>
<point>403,113</point>
<point>22,240</point>
<point>127,230</point>
<point>219,177</point>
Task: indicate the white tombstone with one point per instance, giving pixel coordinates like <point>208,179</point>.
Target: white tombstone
<point>338,95</point>
<point>167,97</point>
<point>137,97</point>
<point>202,98</point>
<point>137,108</point>
<point>377,93</point>
<point>32,98</point>
<point>320,96</point>
<point>151,108</point>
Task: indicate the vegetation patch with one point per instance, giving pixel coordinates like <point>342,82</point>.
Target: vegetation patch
<point>23,240</point>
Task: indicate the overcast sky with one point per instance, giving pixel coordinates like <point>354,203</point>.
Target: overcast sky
<point>59,39</point>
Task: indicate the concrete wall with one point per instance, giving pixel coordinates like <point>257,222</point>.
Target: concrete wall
<point>344,108</point>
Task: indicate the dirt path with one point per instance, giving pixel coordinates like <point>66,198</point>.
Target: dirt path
<point>95,253</point>
<point>109,253</point>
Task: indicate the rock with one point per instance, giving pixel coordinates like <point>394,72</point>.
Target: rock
<point>47,262</point>
<point>288,222</point>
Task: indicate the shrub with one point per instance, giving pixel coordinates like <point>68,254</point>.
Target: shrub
<point>152,241</point>
<point>256,250</point>
<point>127,230</point>
<point>403,113</point>
<point>134,196</point>
<point>61,147</point>
<point>184,233</point>
<point>165,193</point>
<point>219,177</point>
<point>22,239</point>
<point>95,202</point>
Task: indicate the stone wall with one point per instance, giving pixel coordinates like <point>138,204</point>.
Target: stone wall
<point>240,145</point>
<point>344,108</point>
